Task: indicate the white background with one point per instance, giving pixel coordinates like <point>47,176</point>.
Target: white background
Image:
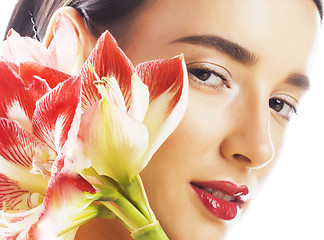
<point>291,203</point>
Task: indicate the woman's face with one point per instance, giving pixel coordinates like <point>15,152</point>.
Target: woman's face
<point>248,63</point>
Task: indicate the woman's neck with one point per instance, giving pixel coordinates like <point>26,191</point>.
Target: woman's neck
<point>102,229</point>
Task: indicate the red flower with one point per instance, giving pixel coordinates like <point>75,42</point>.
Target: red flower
<point>114,117</point>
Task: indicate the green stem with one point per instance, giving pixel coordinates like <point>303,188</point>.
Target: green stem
<point>122,208</point>
<point>131,211</point>
<point>136,193</point>
<point>152,231</point>
<point>143,194</point>
<point>125,211</point>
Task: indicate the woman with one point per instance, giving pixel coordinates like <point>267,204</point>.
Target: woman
<point>248,63</point>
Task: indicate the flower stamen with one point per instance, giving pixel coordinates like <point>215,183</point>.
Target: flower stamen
<point>108,87</point>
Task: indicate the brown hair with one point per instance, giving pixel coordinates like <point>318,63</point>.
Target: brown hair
<point>99,15</point>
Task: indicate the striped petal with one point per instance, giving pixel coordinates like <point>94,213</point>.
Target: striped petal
<point>17,145</point>
<point>19,189</point>
<point>57,114</point>
<point>11,195</point>
<point>108,60</point>
<point>113,141</point>
<point>167,82</point>
<point>62,53</point>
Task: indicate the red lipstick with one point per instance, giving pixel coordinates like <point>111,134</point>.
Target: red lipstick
<point>222,199</point>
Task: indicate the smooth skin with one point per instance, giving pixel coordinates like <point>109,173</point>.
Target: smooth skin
<point>239,104</point>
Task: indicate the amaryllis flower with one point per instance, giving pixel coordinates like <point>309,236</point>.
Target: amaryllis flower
<point>63,52</point>
<point>37,124</point>
<point>111,117</point>
<point>129,112</point>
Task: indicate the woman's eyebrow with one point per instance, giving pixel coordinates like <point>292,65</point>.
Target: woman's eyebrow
<point>228,47</point>
<point>238,53</point>
<point>298,80</point>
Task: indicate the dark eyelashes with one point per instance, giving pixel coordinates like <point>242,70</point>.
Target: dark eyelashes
<point>209,76</point>
<point>294,109</point>
<point>195,70</point>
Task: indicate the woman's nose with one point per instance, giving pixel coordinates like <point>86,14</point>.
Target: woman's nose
<point>248,141</point>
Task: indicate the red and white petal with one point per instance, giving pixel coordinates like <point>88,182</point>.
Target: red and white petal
<point>113,141</point>
<point>167,81</point>
<point>65,199</point>
<point>36,90</point>
<point>108,60</point>
<point>28,71</point>
<point>57,114</point>
<point>64,50</point>
<point>15,102</point>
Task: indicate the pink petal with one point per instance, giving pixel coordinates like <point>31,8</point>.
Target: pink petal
<point>108,61</point>
<point>57,114</point>
<point>62,54</point>
<point>19,49</point>
<point>167,81</point>
<point>29,70</point>
<point>64,47</point>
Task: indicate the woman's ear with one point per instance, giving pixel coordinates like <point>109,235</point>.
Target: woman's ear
<point>86,40</point>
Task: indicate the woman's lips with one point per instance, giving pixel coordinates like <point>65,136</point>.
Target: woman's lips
<point>222,199</point>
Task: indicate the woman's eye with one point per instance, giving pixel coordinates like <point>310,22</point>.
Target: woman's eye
<point>283,107</point>
<point>208,75</point>
<point>201,74</point>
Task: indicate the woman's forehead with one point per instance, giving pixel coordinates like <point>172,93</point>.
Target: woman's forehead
<point>264,27</point>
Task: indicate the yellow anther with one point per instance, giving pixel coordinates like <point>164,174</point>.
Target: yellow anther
<point>4,206</point>
<point>98,81</point>
<point>103,81</point>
